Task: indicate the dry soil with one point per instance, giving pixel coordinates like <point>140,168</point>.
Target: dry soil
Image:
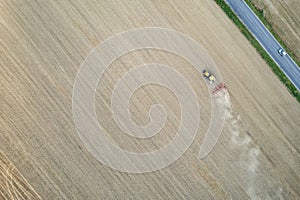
<point>42,46</point>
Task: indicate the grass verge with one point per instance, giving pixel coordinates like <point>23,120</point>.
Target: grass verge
<point>292,89</point>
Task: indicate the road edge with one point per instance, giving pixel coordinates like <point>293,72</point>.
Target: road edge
<point>260,14</point>
<point>262,52</point>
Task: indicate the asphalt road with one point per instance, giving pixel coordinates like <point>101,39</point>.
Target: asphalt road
<point>266,39</point>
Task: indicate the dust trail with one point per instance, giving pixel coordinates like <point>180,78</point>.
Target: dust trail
<point>252,165</point>
<point>278,194</point>
<point>248,159</point>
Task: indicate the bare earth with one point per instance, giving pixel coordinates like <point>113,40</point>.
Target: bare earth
<point>285,19</point>
<point>42,46</point>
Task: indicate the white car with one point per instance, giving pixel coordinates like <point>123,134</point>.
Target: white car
<point>282,52</point>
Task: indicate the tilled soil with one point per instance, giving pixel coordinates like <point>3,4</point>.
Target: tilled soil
<point>43,44</point>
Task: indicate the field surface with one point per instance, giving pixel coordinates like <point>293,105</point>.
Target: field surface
<point>42,46</point>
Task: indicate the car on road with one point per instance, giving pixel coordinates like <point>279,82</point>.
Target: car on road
<point>282,52</point>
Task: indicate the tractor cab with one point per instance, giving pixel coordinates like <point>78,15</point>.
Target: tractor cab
<point>211,78</point>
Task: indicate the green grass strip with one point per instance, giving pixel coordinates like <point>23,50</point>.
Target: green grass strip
<point>292,89</point>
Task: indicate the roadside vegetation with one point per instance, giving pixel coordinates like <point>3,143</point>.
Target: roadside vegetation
<point>292,89</point>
